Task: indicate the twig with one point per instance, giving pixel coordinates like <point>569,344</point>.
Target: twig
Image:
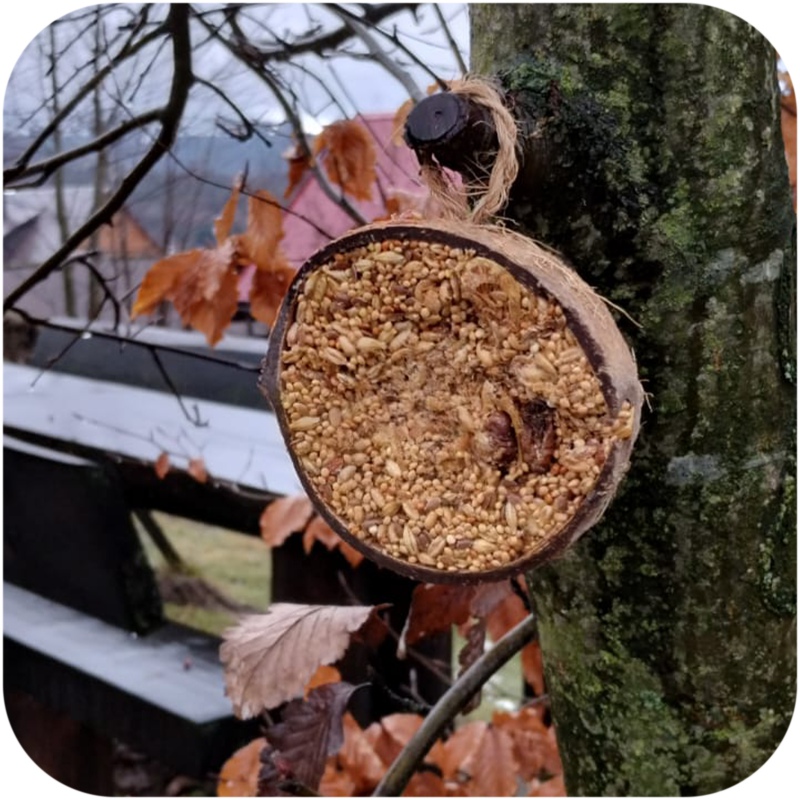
<point>193,419</point>
<point>248,55</point>
<point>378,54</point>
<point>48,166</point>
<point>127,51</point>
<point>445,710</point>
<point>450,40</point>
<point>178,25</point>
<point>131,340</point>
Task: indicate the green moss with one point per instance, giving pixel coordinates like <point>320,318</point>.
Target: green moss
<point>667,631</point>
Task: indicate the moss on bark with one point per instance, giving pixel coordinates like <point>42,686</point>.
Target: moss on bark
<point>657,169</point>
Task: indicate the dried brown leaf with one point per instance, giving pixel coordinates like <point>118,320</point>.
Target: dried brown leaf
<point>389,735</point>
<point>268,290</point>
<point>392,733</point>
<point>325,674</point>
<point>435,607</point>
<point>311,730</point>
<point>319,531</point>
<point>299,164</point>
<point>259,243</point>
<point>201,284</point>
<point>197,469</point>
<point>162,465</point>
<point>459,748</point>
<point>354,558</point>
<point>534,744</point>
<point>533,667</point>
<point>239,774</point>
<point>425,784</point>
<point>348,155</point>
<point>283,517</point>
<point>355,767</point>
<point>505,615</point>
<point>399,122</point>
<point>481,758</point>
<point>270,658</point>
<point>224,222</point>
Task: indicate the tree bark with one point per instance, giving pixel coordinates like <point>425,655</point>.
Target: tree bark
<point>653,161</point>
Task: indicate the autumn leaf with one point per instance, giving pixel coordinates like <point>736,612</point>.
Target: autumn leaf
<point>425,784</point>
<point>481,758</point>
<point>162,465</point>
<point>259,242</point>
<point>389,735</point>
<point>356,766</point>
<point>239,774</point>
<point>500,619</point>
<point>270,658</point>
<point>319,531</point>
<point>399,122</point>
<point>354,558</point>
<point>299,163</point>
<point>392,733</point>
<point>197,469</point>
<point>347,152</point>
<point>201,284</point>
<point>283,517</point>
<point>434,608</point>
<point>274,772</point>
<point>224,222</point>
<point>534,743</point>
<point>311,730</point>
<point>325,674</point>
<point>268,289</point>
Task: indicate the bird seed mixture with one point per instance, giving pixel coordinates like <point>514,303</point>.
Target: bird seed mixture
<point>441,410</point>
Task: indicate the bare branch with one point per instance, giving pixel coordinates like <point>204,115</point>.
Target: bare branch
<point>248,54</point>
<point>177,24</point>
<point>129,49</point>
<point>378,54</point>
<point>450,40</point>
<point>46,167</point>
<point>449,705</point>
<point>326,42</point>
<point>132,341</point>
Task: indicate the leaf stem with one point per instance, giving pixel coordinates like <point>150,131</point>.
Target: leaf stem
<point>456,697</point>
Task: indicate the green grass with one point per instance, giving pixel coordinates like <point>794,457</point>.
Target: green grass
<point>239,566</point>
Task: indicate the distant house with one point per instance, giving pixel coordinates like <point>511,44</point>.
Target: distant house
<point>32,233</point>
<point>312,219</point>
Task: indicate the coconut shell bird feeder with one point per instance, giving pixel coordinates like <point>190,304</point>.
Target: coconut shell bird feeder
<point>458,404</point>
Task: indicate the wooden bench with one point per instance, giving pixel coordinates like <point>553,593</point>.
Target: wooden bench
<point>80,456</point>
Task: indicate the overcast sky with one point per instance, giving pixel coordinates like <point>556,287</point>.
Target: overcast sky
<point>358,85</point>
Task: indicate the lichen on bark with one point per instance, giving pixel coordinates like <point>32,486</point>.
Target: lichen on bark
<point>653,161</point>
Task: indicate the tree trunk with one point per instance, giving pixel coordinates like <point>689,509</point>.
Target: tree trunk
<point>656,166</point>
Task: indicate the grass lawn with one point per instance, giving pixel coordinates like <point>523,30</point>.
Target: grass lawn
<point>239,566</point>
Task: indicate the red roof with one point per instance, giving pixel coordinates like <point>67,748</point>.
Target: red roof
<point>312,219</point>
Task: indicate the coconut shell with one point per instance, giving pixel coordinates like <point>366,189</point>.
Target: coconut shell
<point>543,273</point>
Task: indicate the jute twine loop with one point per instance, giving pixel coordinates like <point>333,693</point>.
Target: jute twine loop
<point>454,200</point>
